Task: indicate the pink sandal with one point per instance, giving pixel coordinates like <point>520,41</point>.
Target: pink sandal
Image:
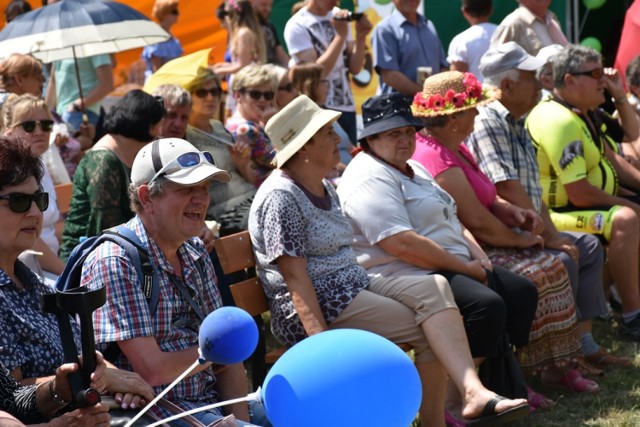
<point>538,401</point>
<point>573,380</point>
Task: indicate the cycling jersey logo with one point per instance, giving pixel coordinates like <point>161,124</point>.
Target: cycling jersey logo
<point>570,152</point>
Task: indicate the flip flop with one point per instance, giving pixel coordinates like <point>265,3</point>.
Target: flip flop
<point>490,418</point>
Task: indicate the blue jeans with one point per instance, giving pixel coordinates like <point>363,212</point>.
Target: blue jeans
<point>348,123</point>
<point>74,118</point>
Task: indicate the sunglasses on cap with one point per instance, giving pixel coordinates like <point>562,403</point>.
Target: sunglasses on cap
<point>30,125</point>
<point>596,73</point>
<point>287,88</point>
<point>202,93</point>
<point>186,160</point>
<point>257,94</point>
<point>21,202</point>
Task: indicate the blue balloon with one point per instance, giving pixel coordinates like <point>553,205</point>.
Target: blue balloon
<point>228,335</point>
<point>343,377</point>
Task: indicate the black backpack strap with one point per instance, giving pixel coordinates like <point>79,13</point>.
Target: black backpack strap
<point>148,276</point>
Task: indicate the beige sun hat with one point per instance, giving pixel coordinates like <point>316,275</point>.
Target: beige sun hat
<point>450,92</point>
<point>294,125</point>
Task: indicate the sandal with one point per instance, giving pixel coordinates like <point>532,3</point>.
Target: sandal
<point>538,401</point>
<point>489,417</point>
<point>573,380</point>
<point>587,369</point>
<point>602,358</point>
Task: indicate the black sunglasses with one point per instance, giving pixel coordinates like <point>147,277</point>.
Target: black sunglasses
<point>202,93</point>
<point>288,87</point>
<point>175,12</point>
<point>596,73</point>
<point>257,94</point>
<point>30,125</point>
<point>21,202</point>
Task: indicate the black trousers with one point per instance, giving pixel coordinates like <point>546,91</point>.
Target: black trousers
<point>508,304</point>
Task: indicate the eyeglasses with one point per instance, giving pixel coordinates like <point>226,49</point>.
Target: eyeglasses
<point>30,125</point>
<point>186,160</point>
<point>202,93</point>
<point>21,202</point>
<point>596,73</point>
<point>288,87</point>
<point>257,94</point>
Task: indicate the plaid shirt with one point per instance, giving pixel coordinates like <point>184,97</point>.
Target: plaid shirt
<point>502,147</point>
<point>174,325</point>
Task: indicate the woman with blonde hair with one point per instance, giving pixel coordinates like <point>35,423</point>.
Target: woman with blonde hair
<point>29,118</point>
<point>166,13</point>
<point>22,74</point>
<point>254,89</point>
<point>246,41</point>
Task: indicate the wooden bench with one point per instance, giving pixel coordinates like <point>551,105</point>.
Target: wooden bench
<point>236,253</point>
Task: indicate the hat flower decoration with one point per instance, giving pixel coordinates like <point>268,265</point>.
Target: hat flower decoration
<point>448,93</point>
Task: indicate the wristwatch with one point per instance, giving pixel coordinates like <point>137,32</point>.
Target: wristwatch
<point>54,396</point>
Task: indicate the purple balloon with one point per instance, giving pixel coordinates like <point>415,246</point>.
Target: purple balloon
<point>228,335</point>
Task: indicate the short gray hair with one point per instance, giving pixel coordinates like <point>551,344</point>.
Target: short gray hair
<point>496,79</point>
<point>155,188</point>
<point>173,95</point>
<point>571,59</point>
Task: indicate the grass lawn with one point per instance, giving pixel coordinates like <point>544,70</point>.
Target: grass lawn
<point>617,404</point>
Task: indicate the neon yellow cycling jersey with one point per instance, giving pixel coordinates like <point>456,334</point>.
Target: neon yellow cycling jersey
<point>567,152</point>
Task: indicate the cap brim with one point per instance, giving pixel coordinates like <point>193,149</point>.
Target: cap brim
<point>389,124</point>
<point>531,64</point>
<point>197,174</point>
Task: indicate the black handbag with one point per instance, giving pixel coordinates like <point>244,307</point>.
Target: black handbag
<point>502,373</point>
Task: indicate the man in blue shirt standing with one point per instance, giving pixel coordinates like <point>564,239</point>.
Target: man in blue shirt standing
<point>402,42</point>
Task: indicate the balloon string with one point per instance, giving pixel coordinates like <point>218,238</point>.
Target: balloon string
<point>251,396</point>
<point>165,391</point>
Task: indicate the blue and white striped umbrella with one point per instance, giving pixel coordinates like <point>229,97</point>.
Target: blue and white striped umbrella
<point>88,27</point>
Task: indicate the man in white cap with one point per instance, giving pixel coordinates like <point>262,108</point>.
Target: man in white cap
<point>169,193</point>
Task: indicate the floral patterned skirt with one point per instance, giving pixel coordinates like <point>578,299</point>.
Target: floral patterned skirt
<point>553,340</point>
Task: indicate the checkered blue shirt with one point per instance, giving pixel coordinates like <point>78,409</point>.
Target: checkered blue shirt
<point>174,325</point>
<point>502,147</point>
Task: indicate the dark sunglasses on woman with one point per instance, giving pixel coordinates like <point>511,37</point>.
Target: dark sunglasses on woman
<point>21,202</point>
<point>257,94</point>
<point>202,93</point>
<point>30,125</point>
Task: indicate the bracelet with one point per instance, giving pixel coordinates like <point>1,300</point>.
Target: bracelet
<point>620,100</point>
<point>54,396</point>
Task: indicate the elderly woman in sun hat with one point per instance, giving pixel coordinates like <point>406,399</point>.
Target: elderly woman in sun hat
<point>509,235</point>
<point>313,283</point>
